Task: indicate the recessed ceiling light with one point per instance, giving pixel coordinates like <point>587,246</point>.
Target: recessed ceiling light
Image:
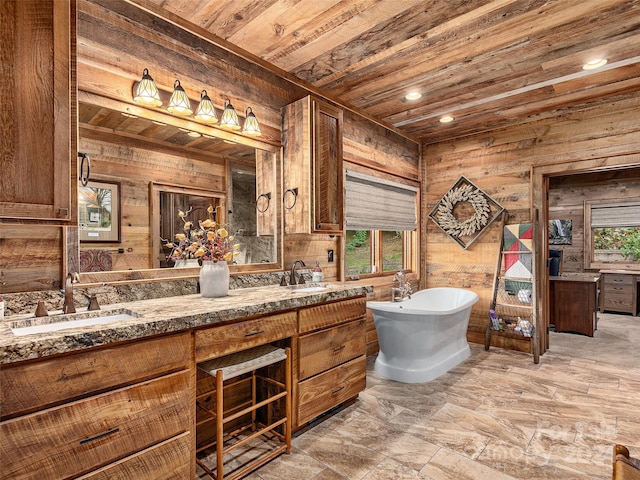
<point>413,95</point>
<point>162,124</point>
<point>130,115</point>
<point>193,134</point>
<point>595,63</point>
<point>231,142</point>
<point>446,119</point>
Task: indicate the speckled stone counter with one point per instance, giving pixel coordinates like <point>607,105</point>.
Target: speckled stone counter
<point>163,315</point>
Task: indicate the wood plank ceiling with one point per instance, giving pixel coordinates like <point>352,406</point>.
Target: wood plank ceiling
<point>486,63</point>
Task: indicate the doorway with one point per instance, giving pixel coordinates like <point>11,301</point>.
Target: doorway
<point>541,180</point>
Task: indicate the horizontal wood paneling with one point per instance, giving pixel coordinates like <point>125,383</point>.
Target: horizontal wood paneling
<point>499,162</point>
<point>566,202</point>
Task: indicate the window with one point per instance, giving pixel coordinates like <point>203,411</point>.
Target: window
<point>612,234</point>
<point>381,217</point>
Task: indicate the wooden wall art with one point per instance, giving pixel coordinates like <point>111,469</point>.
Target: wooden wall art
<point>464,212</point>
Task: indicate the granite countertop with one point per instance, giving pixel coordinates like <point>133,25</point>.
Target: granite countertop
<point>157,316</point>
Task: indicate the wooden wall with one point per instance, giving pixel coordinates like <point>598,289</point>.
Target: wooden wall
<point>116,41</point>
<point>500,162</point>
<point>566,202</point>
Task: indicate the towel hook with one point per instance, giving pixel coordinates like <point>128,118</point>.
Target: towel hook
<point>84,179</point>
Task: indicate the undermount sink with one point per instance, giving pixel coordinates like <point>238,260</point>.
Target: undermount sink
<point>308,288</point>
<point>54,323</point>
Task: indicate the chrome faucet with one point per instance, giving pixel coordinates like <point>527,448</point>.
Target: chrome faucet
<point>68,306</point>
<point>403,290</point>
<point>292,275</point>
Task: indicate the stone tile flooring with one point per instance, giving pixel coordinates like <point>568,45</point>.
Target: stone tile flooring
<point>496,416</point>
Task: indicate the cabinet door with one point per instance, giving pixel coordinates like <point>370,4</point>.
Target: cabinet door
<point>313,176</point>
<point>327,168</point>
<point>38,139</point>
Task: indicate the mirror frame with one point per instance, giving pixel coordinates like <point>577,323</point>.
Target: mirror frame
<point>71,237</point>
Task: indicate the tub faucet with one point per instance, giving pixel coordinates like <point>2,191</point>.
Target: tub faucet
<point>68,306</point>
<point>292,275</point>
<point>403,290</point>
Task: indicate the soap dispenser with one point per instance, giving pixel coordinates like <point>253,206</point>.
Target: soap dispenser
<point>316,274</point>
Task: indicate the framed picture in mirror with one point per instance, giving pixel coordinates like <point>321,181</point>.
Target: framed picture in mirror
<point>99,212</point>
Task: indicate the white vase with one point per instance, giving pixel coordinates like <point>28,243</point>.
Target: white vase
<point>214,279</point>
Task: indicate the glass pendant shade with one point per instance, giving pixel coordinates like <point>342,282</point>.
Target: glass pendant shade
<point>147,91</point>
<point>251,126</point>
<point>205,111</point>
<point>179,103</point>
<point>229,117</point>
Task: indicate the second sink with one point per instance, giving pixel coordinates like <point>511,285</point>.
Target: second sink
<point>308,288</point>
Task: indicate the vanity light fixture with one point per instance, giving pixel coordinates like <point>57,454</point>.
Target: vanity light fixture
<point>251,126</point>
<point>147,91</point>
<point>229,117</point>
<point>595,63</point>
<point>446,119</point>
<point>413,96</point>
<point>205,111</point>
<point>179,103</point>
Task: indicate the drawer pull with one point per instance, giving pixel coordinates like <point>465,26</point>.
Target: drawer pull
<point>339,389</point>
<point>100,435</point>
<point>253,334</point>
<point>338,349</point>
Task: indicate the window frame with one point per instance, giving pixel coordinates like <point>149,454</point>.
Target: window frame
<point>409,255</point>
<point>589,262</point>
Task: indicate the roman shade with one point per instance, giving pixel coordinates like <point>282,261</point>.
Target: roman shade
<point>611,215</point>
<point>373,203</point>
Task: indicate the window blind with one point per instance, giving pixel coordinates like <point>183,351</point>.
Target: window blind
<point>373,203</point>
<point>615,215</point>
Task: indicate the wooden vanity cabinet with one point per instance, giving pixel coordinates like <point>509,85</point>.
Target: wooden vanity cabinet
<point>313,198</point>
<point>331,357</point>
<point>38,112</point>
<point>118,412</point>
<point>619,291</point>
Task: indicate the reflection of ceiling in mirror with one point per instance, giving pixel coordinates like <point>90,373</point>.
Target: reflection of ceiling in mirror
<point>100,118</point>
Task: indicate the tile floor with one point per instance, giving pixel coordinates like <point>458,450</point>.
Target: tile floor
<point>496,416</point>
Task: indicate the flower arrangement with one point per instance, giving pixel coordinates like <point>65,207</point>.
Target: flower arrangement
<point>209,242</point>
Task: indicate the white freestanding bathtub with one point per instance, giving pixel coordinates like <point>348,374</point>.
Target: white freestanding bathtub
<point>424,336</point>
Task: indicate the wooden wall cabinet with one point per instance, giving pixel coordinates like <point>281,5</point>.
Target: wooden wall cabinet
<point>118,412</point>
<point>331,354</point>
<point>313,178</point>
<point>38,111</point>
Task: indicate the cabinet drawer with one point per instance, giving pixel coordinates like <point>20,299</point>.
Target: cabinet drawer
<point>27,387</point>
<point>170,460</point>
<point>323,392</point>
<point>612,280</point>
<point>330,314</point>
<point>79,437</point>
<point>325,349</point>
<point>216,341</point>
<point>621,302</point>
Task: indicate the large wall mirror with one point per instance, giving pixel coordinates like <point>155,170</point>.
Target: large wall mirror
<point>161,169</point>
